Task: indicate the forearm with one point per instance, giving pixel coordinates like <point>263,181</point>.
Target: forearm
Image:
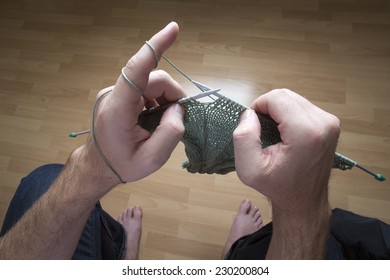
<point>53,225</point>
<point>302,222</point>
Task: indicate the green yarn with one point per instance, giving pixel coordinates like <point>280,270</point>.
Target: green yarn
<point>208,137</point>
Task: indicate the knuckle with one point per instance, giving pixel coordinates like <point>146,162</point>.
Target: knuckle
<point>132,63</point>
<point>335,123</point>
<point>331,125</point>
<point>135,65</point>
<point>171,124</point>
<point>325,134</point>
<point>241,132</point>
<point>334,127</point>
<point>321,129</point>
<point>177,128</point>
<point>161,75</point>
<point>156,162</point>
<point>282,91</point>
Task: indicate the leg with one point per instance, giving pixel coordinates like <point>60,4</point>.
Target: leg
<point>247,221</point>
<point>361,237</point>
<point>131,221</point>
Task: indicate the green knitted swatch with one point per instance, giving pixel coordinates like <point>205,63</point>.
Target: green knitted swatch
<point>208,137</point>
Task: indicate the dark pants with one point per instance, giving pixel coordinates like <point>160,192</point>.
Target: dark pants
<point>352,237</point>
<point>102,236</point>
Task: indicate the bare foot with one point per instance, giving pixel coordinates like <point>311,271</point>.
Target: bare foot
<point>131,221</point>
<point>247,221</point>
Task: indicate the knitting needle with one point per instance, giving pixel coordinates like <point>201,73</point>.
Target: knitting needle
<point>75,134</point>
<point>201,95</point>
<point>200,86</point>
<point>205,90</point>
<point>377,176</point>
<point>180,101</point>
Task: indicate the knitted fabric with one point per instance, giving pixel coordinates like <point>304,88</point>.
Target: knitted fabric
<point>208,137</point>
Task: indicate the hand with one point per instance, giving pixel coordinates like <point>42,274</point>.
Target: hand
<point>293,173</point>
<point>133,152</point>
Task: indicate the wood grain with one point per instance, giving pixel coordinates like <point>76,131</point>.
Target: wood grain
<point>56,55</point>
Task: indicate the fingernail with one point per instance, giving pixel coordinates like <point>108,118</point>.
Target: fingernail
<point>179,109</point>
<point>170,24</point>
<point>247,114</point>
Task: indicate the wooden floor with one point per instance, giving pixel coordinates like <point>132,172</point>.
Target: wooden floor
<point>56,55</point>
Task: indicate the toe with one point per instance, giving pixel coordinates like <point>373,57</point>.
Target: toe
<point>123,216</point>
<point>254,210</point>
<point>137,213</point>
<point>257,215</point>
<point>129,213</point>
<point>245,206</point>
<point>259,222</point>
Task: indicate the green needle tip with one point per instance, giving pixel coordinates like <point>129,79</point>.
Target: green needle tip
<point>379,177</point>
<point>73,135</point>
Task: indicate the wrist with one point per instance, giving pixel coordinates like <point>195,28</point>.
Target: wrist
<point>311,218</point>
<point>93,177</point>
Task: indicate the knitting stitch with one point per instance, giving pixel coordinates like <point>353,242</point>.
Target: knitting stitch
<point>208,136</point>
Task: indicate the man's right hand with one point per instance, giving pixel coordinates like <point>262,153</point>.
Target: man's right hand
<point>294,173</point>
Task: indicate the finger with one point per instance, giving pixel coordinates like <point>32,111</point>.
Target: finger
<point>284,105</point>
<point>286,108</point>
<point>296,116</point>
<point>247,147</point>
<point>163,87</point>
<point>276,103</point>
<point>142,63</point>
<point>158,148</point>
<point>150,103</point>
<point>104,91</point>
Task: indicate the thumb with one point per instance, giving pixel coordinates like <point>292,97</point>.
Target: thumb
<point>158,148</point>
<point>247,148</point>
